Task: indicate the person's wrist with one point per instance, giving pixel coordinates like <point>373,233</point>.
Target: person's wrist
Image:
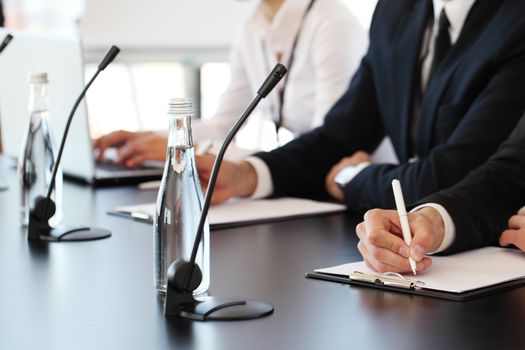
<point>246,179</point>
<point>437,225</point>
<point>347,174</point>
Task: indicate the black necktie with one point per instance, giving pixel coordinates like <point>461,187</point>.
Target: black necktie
<point>442,43</point>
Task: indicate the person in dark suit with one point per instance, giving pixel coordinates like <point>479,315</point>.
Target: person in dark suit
<point>446,106</point>
<point>483,209</point>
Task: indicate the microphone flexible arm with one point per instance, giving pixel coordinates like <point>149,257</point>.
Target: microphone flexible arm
<point>5,42</point>
<point>275,76</point>
<point>108,58</point>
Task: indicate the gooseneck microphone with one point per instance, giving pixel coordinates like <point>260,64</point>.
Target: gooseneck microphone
<point>3,45</point>
<point>185,276</point>
<point>44,207</point>
<point>5,42</point>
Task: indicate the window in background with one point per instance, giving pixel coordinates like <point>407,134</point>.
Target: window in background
<point>133,96</point>
<point>215,77</point>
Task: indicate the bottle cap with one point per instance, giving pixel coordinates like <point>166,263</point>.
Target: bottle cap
<point>180,106</point>
<point>38,78</point>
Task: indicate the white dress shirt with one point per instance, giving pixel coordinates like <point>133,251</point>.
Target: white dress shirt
<point>457,11</point>
<point>328,52</point>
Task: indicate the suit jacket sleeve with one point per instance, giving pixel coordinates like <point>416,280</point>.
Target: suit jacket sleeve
<point>299,168</point>
<point>486,123</point>
<point>481,204</point>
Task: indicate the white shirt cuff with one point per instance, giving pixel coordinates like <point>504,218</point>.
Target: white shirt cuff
<point>450,229</point>
<point>349,173</point>
<point>264,178</point>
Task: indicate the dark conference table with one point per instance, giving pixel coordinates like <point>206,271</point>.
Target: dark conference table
<point>100,294</point>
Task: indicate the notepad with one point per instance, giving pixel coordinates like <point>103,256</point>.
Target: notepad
<point>238,212</point>
<point>458,277</point>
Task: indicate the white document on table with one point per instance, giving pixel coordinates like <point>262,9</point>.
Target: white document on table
<point>457,273</point>
<point>237,212</point>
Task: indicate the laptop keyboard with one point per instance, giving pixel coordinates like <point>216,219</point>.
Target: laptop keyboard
<point>108,165</point>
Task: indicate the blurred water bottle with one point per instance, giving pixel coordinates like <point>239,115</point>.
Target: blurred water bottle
<point>38,153</point>
<point>179,202</point>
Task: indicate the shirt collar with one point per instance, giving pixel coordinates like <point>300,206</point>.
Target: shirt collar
<point>457,12</point>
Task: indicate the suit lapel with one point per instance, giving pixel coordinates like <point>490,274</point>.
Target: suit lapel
<point>407,53</point>
<point>480,14</point>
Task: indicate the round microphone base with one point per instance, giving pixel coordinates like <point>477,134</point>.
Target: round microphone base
<point>74,234</point>
<point>223,309</point>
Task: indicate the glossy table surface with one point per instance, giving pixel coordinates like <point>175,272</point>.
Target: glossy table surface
<point>100,295</point>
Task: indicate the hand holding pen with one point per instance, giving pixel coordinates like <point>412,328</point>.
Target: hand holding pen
<point>382,245</point>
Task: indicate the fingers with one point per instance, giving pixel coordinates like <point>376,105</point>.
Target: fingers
<point>133,153</point>
<point>382,246</point>
<point>137,150</point>
<point>224,186</point>
<point>382,249</point>
<point>517,221</point>
<point>516,233</point>
<point>135,160</point>
<point>360,157</point>
<point>204,166</point>
<point>331,186</point>
<point>378,231</point>
<point>515,237</point>
<point>114,139</point>
<point>383,260</point>
<point>423,239</point>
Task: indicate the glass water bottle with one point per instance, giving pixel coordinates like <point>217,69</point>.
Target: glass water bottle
<point>38,154</point>
<point>180,201</point>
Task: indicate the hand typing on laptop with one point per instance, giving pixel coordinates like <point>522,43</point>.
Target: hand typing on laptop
<point>132,148</point>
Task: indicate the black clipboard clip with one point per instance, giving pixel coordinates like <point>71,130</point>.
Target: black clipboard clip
<point>389,279</point>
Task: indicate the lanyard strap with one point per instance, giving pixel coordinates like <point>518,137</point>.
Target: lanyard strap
<point>279,121</point>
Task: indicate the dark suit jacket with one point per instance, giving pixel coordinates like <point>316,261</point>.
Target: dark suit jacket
<point>470,106</point>
<point>482,203</point>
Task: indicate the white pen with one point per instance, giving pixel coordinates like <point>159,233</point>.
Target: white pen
<point>403,218</point>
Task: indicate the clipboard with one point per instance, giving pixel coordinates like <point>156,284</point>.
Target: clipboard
<point>459,277</point>
<point>376,282</point>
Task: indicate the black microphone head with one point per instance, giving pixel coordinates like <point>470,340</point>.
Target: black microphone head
<point>278,72</point>
<point>108,57</point>
<point>5,42</point>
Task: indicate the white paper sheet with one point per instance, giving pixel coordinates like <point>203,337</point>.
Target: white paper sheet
<point>460,272</point>
<point>246,210</point>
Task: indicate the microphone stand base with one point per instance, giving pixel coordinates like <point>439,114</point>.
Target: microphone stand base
<point>40,230</point>
<point>223,309</point>
<point>74,234</point>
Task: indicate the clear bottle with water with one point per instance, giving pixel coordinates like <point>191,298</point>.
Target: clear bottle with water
<point>38,154</point>
<point>179,202</point>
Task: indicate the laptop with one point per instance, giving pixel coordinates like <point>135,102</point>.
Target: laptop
<point>61,58</point>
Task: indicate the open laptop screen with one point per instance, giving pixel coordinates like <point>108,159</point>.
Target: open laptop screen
<point>61,58</point>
